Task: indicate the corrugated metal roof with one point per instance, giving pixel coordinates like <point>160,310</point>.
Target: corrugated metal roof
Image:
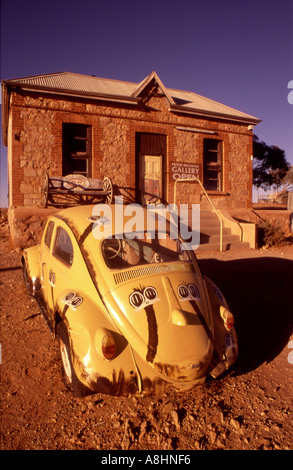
<point>185,101</point>
<point>190,100</point>
<point>78,83</point>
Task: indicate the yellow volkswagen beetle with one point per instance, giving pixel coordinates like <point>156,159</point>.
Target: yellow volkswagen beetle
<point>131,313</point>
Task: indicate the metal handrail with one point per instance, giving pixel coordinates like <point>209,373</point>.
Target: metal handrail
<point>186,180</point>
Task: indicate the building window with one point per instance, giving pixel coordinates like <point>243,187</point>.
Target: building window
<point>212,165</point>
<point>77,149</point>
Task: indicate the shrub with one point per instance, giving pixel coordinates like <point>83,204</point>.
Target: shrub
<point>270,234</point>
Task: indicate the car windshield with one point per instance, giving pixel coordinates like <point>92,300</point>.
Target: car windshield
<point>122,252</point>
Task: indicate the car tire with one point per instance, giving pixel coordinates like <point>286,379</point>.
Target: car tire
<point>69,375</point>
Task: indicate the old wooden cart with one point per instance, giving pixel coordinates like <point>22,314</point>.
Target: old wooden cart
<point>76,189</point>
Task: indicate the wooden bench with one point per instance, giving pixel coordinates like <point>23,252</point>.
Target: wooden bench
<point>76,189</point>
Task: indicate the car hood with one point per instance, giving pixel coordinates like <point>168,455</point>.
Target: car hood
<point>166,319</point>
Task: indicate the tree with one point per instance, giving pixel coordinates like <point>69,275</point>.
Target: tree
<point>286,185</point>
<point>270,165</point>
<point>288,180</point>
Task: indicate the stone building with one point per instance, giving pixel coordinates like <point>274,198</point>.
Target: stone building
<point>143,136</point>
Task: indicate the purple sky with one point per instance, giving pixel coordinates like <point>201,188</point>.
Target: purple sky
<point>239,53</point>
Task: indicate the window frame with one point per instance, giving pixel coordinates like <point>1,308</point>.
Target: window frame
<point>48,236</point>
<point>76,148</point>
<point>213,147</point>
<point>58,254</point>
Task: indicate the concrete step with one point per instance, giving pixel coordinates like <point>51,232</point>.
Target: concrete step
<point>209,216</point>
<point>210,234</point>
<point>214,230</point>
<point>227,246</point>
<point>232,231</point>
<point>215,238</point>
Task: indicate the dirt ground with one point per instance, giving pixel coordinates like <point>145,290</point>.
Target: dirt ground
<point>248,409</point>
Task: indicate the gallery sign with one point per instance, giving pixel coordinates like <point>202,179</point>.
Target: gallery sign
<point>182,170</point>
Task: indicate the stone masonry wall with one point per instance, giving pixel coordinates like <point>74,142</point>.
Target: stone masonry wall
<point>240,169</point>
<point>36,159</point>
<point>114,146</point>
<point>37,145</point>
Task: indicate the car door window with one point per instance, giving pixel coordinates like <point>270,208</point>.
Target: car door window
<point>49,233</point>
<point>63,249</point>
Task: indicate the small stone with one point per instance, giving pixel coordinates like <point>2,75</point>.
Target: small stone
<point>235,424</point>
<point>175,418</point>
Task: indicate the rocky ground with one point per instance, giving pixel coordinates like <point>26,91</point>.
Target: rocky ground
<point>248,409</point>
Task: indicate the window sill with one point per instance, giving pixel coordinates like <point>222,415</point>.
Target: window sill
<point>218,193</point>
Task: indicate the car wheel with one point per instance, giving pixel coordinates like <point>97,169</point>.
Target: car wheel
<point>70,377</point>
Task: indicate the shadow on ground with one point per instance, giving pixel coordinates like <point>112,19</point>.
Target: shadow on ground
<point>259,292</point>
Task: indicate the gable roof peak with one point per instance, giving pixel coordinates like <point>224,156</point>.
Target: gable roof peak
<point>143,85</point>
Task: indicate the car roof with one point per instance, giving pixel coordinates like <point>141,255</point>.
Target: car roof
<point>81,218</point>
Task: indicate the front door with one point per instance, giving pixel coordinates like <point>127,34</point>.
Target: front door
<point>152,178</point>
<point>151,156</point>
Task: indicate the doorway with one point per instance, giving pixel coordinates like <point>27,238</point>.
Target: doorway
<point>150,168</point>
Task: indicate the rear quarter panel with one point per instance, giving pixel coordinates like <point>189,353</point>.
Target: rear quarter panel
<point>220,333</point>
<point>31,260</point>
<point>87,324</point>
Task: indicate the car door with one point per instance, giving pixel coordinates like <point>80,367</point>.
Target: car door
<point>62,263</point>
<point>57,264</point>
<point>47,277</point>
